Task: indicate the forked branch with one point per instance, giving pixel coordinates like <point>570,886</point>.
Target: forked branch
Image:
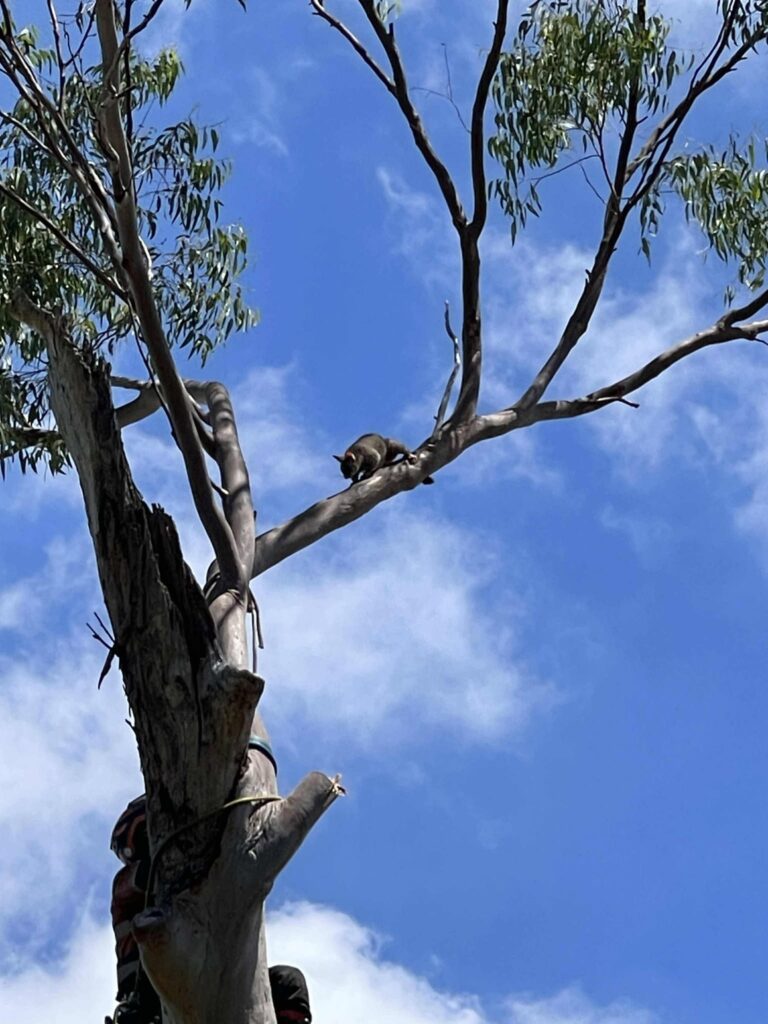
<point>341,509</point>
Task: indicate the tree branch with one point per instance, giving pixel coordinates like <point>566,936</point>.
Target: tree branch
<point>64,241</point>
<point>341,509</point>
<point>137,277</point>
<point>747,310</point>
<point>234,473</point>
<point>662,137</point>
<point>284,826</point>
<point>452,378</point>
<point>354,42</point>
<point>495,424</point>
<point>22,438</point>
<point>477,143</point>
<point>24,79</point>
<point>444,180</point>
<point>345,507</point>
<point>616,215</point>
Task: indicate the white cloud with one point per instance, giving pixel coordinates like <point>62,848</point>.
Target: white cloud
<point>516,456</point>
<point>349,980</point>
<point>79,986</point>
<point>34,494</point>
<point>171,28</point>
<point>262,125</point>
<point>16,604</point>
<point>539,286</point>
<point>571,1006</point>
<point>392,628</point>
<point>422,231</point>
<point>281,450</point>
<point>26,603</point>
<point>735,434</point>
<point>69,766</point>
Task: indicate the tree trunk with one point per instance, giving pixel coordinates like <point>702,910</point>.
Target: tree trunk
<point>201,936</point>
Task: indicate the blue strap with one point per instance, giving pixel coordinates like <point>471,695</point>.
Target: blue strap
<point>260,744</point>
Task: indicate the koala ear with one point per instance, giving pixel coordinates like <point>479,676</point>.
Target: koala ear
<point>339,458</point>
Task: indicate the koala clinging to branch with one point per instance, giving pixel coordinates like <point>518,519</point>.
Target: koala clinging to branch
<point>369,453</point>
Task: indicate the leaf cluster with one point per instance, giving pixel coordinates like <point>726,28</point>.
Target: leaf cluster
<point>568,83</point>
<point>725,192</point>
<point>195,260</point>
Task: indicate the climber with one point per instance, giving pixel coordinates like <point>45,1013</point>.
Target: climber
<point>138,1003</point>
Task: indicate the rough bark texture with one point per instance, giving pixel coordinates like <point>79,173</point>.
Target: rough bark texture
<point>202,936</point>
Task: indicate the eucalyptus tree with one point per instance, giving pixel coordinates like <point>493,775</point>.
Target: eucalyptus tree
<point>111,235</point>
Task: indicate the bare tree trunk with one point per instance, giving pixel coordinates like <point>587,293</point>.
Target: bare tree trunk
<point>201,936</point>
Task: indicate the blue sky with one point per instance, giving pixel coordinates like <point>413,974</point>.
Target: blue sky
<point>543,678</point>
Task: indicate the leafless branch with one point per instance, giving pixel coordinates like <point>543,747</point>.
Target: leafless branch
<point>477,223</point>
<point>452,378</point>
<point>74,55</point>
<point>386,37</point>
<point>511,419</point>
<point>566,167</point>
<point>443,96</point>
<point>56,30</point>
<point>234,475</point>
<point>345,507</point>
<point>747,310</point>
<point>354,42</point>
<point>448,94</point>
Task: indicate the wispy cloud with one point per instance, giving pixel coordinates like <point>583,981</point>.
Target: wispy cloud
<point>81,984</point>
<point>349,977</point>
<point>69,744</point>
<point>649,537</point>
<point>350,980</point>
<point>262,126</point>
<point>27,603</point>
<point>400,626</point>
<point>571,1006</point>
<point>421,231</point>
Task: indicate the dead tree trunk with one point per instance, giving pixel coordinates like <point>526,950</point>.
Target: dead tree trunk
<point>201,936</point>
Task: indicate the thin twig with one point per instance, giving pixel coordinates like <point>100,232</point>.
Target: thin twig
<point>56,30</point>
<point>386,37</point>
<point>354,42</point>
<point>446,95</point>
<point>452,378</point>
